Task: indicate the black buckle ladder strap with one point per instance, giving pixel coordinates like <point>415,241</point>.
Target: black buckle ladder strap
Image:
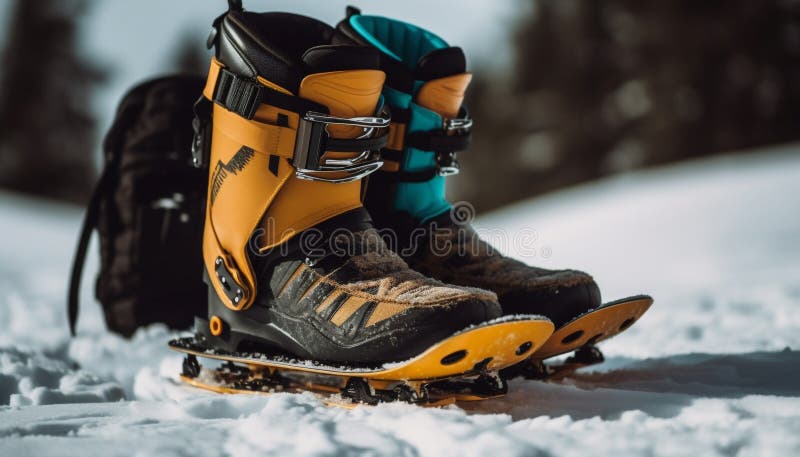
<point>243,96</point>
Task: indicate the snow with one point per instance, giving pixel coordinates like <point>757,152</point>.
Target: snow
<point>712,369</point>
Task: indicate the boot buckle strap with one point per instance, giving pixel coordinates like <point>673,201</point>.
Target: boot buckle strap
<point>447,164</point>
<point>458,125</point>
<point>238,94</point>
<point>312,141</point>
<point>243,96</point>
<point>447,161</point>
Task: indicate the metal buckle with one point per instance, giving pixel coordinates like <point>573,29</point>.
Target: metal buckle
<point>447,162</point>
<point>198,143</point>
<point>201,138</point>
<point>457,124</point>
<point>228,282</point>
<point>310,146</point>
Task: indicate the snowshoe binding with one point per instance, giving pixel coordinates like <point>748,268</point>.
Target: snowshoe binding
<point>463,367</point>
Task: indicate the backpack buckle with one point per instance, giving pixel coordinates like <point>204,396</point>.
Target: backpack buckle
<point>313,141</point>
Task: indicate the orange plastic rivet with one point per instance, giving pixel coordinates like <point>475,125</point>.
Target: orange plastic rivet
<point>215,325</point>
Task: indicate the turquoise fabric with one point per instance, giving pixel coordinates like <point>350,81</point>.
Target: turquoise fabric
<point>407,43</point>
<point>423,200</point>
<point>401,40</point>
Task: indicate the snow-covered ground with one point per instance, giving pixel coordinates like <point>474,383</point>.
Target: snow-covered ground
<point>713,369</point>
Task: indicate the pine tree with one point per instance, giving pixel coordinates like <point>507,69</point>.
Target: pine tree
<point>47,132</point>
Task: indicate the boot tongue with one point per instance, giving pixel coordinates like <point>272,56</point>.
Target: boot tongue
<point>440,63</point>
<point>347,80</point>
<point>446,81</point>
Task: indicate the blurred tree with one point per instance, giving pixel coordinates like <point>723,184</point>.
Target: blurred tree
<point>47,132</point>
<point>191,56</point>
<point>604,87</point>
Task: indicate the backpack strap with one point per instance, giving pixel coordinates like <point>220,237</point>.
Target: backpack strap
<point>112,143</point>
<point>89,223</point>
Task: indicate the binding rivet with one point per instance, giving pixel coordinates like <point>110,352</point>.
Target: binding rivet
<point>215,325</point>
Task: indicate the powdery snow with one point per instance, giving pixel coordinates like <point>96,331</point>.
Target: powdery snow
<point>710,370</point>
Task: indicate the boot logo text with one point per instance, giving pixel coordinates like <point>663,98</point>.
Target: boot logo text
<point>234,166</point>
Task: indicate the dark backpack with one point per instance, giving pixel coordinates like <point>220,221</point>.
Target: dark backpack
<point>148,209</point>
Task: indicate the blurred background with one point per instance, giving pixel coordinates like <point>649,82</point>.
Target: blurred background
<point>565,91</point>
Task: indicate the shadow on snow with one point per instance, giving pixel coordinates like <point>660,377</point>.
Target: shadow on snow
<point>660,387</point>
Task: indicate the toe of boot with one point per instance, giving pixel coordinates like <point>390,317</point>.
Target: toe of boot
<point>560,296</point>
